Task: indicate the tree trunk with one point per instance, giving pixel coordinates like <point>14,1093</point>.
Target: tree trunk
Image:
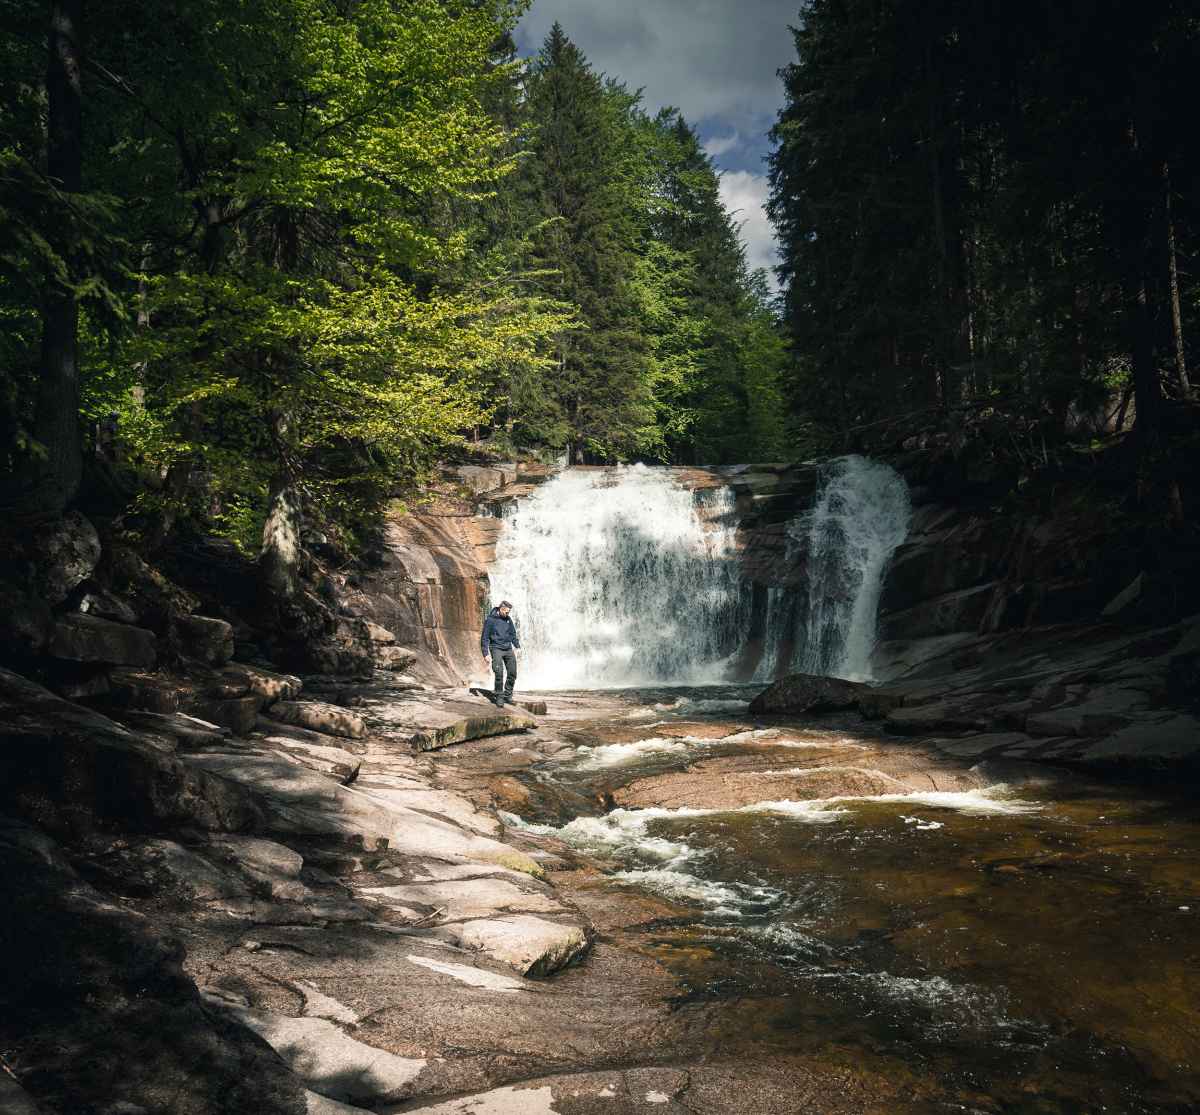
<point>279,561</point>
<point>54,477</point>
<point>1181,373</point>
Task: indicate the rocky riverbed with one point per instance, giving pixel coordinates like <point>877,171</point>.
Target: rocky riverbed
<point>389,899</point>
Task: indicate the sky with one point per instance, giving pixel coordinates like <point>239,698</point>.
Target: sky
<point>714,60</point>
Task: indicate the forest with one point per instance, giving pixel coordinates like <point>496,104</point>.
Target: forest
<point>991,214</point>
<point>272,255</point>
<point>281,253</point>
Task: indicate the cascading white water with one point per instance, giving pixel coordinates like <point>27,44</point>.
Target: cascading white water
<point>621,577</point>
<point>860,517</point>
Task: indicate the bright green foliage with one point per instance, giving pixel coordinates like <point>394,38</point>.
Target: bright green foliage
<point>679,355</point>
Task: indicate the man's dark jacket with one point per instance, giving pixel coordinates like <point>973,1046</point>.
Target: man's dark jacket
<point>499,632</point>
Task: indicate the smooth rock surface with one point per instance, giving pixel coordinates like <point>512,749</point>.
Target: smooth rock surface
<point>320,717</point>
<point>528,945</point>
<point>83,638</point>
<point>330,1062</point>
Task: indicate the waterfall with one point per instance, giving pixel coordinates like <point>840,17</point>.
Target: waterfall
<point>621,577</point>
<point>861,515</point>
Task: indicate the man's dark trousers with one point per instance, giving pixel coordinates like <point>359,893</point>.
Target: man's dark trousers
<point>504,660</point>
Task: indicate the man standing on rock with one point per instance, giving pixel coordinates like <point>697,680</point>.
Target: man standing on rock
<point>500,644</point>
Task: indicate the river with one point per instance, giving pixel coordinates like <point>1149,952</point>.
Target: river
<point>1026,940</point>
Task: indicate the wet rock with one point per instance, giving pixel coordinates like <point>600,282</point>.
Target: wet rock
<point>205,638</point>
<point>875,704</point>
<point>320,717</point>
<point>83,638</point>
<point>328,1061</point>
<point>528,945</point>
<point>808,693</point>
<point>1183,680</point>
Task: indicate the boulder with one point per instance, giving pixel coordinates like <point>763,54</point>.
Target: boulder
<point>210,640</point>
<point>320,717</point>
<point>530,946</point>
<point>84,638</point>
<point>394,658</point>
<point>63,555</point>
<point>106,605</point>
<point>238,714</point>
<point>808,693</point>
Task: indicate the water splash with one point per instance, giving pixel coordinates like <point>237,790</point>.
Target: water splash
<point>622,577</point>
<point>860,517</point>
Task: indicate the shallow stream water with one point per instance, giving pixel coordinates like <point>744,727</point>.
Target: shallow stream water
<point>1029,945</point>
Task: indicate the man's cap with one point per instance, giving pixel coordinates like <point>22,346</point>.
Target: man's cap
<point>504,604</point>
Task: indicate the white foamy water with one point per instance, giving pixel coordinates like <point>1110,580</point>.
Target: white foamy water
<point>617,754</point>
<point>861,516</point>
<point>990,801</point>
<point>621,577</point>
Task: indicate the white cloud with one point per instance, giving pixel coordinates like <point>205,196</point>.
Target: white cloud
<point>714,60</point>
<point>745,196</point>
<point>717,146</point>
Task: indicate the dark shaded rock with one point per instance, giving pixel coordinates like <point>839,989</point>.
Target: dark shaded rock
<point>26,624</point>
<point>70,767</point>
<point>96,1013</point>
<point>83,638</point>
<point>107,605</point>
<point>238,714</point>
<point>798,693</point>
<point>210,640</point>
<point>962,610</point>
<point>875,704</point>
<point>155,599</point>
<point>61,556</point>
<point>1183,680</point>
<point>81,684</point>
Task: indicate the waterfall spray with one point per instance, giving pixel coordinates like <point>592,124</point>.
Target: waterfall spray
<point>860,517</point>
<point>621,577</point>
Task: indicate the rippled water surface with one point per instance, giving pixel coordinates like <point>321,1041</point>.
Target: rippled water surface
<point>1030,945</point>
